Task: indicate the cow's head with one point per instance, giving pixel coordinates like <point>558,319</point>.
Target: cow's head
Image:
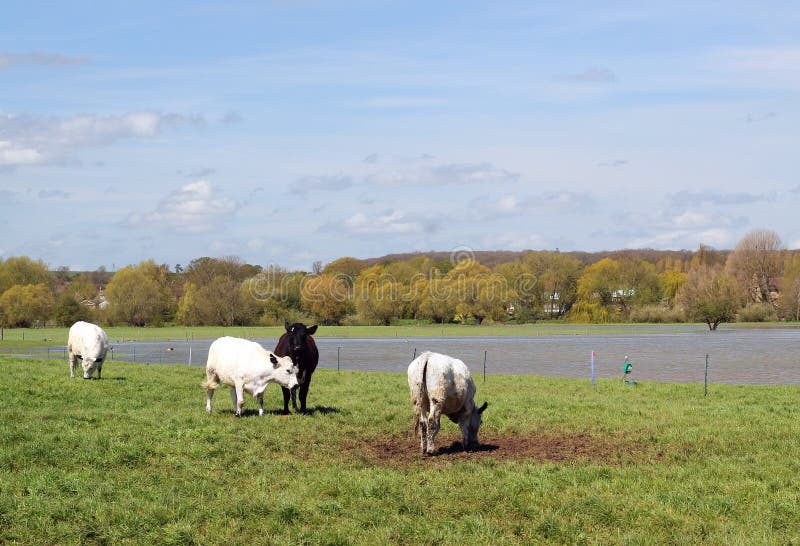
<point>89,366</point>
<point>283,371</point>
<point>474,424</point>
<point>297,334</point>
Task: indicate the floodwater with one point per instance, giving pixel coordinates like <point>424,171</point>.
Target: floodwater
<point>739,356</point>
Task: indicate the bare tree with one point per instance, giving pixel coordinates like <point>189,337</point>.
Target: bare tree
<point>756,262</point>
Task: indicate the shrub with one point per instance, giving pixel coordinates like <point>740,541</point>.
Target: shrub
<point>756,312</point>
<point>656,314</point>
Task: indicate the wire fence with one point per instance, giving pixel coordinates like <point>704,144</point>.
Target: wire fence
<point>743,357</point>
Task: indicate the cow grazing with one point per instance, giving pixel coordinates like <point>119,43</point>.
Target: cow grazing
<point>439,385</point>
<point>88,343</point>
<point>245,366</point>
<point>298,344</point>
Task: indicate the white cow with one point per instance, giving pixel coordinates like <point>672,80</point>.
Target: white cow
<point>89,343</point>
<point>439,385</point>
<point>245,366</point>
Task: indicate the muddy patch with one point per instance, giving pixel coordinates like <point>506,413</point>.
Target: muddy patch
<point>566,448</point>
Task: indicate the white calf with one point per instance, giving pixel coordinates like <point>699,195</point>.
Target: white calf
<point>245,366</point>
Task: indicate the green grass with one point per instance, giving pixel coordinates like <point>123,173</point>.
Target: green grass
<point>134,459</point>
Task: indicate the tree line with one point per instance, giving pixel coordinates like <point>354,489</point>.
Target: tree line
<point>757,281</point>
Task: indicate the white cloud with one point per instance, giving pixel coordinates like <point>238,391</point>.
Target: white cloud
<point>557,202</point>
<point>31,141</point>
<point>317,183</point>
<point>8,60</point>
<point>195,207</point>
<point>13,154</point>
<point>684,239</point>
<point>387,222</point>
<point>453,173</point>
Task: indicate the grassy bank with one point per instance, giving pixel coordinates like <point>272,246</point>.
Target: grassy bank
<point>42,337</point>
<point>134,459</point>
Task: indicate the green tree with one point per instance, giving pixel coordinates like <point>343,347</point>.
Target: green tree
<point>671,282</point>
<point>327,297</point>
<point>346,267</point>
<point>22,270</point>
<point>433,300</point>
<point>789,302</point>
<point>709,295</point>
<point>68,310</point>
<point>25,305</point>
<point>139,295</point>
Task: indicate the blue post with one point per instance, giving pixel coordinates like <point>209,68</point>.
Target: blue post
<point>592,368</point>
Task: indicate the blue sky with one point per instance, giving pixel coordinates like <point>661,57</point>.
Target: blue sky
<point>295,131</point>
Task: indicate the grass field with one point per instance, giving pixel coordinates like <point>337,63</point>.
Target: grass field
<point>43,337</point>
<point>134,459</point>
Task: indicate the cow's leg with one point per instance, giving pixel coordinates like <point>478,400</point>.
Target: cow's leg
<point>304,394</point>
<point>286,396</point>
<point>422,422</point>
<point>72,359</point>
<point>434,422</point>
<point>294,399</point>
<point>209,396</point>
<point>235,401</point>
<point>240,396</point>
<point>260,398</point>
<point>99,368</point>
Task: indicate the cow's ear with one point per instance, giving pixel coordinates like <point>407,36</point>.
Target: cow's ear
<point>287,326</point>
<point>483,407</point>
<point>273,360</point>
<point>310,331</point>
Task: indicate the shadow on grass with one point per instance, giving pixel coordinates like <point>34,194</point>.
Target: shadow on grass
<point>456,447</point>
<point>250,412</point>
<point>322,410</point>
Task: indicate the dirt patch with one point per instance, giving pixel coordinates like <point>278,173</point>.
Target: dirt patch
<point>536,447</point>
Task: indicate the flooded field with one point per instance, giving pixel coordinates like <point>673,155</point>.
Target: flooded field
<point>673,353</point>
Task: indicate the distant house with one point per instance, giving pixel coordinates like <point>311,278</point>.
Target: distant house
<point>622,294</point>
<point>99,301</point>
<point>552,306</point>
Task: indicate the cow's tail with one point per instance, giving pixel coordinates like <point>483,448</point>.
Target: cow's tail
<point>211,382</point>
<point>420,394</point>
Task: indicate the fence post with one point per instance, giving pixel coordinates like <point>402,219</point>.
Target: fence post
<point>337,358</point>
<point>134,354</point>
<point>705,380</point>
<point>190,353</point>
<point>484,366</point>
<point>415,354</point>
<point>592,360</point>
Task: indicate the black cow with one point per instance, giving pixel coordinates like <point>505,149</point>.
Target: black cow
<point>298,344</point>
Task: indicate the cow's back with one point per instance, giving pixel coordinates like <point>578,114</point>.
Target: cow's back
<point>88,340</point>
<point>231,356</point>
<point>446,380</point>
